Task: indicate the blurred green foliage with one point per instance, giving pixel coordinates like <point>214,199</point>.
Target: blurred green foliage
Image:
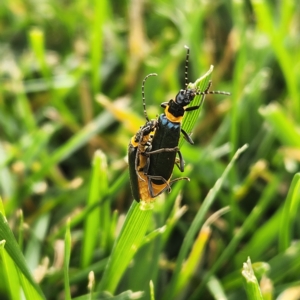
<point>70,99</point>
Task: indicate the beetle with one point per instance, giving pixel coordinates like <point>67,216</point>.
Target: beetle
<point>166,136</point>
<point>140,143</point>
<point>139,151</point>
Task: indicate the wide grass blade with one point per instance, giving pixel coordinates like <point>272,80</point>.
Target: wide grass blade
<point>97,222</point>
<point>12,249</point>
<point>290,214</point>
<point>126,245</point>
<point>101,13</point>
<point>9,274</point>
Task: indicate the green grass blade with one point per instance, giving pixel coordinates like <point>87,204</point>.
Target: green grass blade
<point>37,42</point>
<point>97,222</point>
<point>101,13</point>
<point>290,214</point>
<point>251,283</point>
<point>34,246</point>
<point>105,210</point>
<point>152,294</point>
<point>14,252</point>
<point>67,255</point>
<point>126,245</point>
<point>29,290</point>
<point>9,274</point>
<point>197,252</point>
<point>193,260</point>
<point>215,288</point>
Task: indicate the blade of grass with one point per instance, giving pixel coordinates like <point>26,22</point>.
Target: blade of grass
<point>9,274</point>
<point>126,245</point>
<point>197,252</point>
<point>98,220</point>
<point>234,281</point>
<point>216,289</point>
<point>7,184</point>
<point>34,246</point>
<point>290,214</point>
<point>101,13</point>
<point>37,42</point>
<point>152,293</point>
<point>251,283</point>
<point>14,252</point>
<point>67,254</point>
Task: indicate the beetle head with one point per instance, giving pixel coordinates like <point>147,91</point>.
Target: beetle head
<point>184,97</point>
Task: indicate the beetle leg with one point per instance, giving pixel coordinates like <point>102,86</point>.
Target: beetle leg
<point>181,162</point>
<point>159,193</point>
<point>136,164</point>
<point>175,149</point>
<point>168,186</point>
<point>190,108</point>
<point>187,137</point>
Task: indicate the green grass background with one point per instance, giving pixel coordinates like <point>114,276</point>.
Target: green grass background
<point>70,99</point>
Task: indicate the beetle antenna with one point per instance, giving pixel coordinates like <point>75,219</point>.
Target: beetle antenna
<point>207,91</point>
<point>143,94</point>
<point>186,68</point>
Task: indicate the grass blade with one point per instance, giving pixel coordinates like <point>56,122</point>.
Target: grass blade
<point>97,222</point>
<point>9,273</point>
<point>251,284</point>
<point>290,214</point>
<point>14,252</point>
<point>126,245</point>
<point>67,262</point>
